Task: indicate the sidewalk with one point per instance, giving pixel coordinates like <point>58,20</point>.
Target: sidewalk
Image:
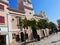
<point>33,41</point>
<point>22,43</point>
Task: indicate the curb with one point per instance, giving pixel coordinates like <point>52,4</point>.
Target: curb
<point>24,43</point>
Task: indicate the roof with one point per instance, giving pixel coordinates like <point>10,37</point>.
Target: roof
<point>4,2</point>
<point>12,9</point>
<point>28,7</point>
<point>36,15</point>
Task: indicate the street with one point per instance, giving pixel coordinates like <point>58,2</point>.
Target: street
<point>51,40</point>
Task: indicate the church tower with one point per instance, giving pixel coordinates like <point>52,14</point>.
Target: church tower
<point>26,6</point>
<point>20,5</point>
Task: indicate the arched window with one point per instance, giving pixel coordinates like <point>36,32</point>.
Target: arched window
<point>2,19</point>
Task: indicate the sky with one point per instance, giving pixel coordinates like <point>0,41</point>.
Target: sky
<point>51,7</point>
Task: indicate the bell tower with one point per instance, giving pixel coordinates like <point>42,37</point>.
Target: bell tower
<point>28,3</point>
<point>20,5</point>
<point>26,6</point>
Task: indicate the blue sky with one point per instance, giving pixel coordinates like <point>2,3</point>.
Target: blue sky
<point>51,7</point>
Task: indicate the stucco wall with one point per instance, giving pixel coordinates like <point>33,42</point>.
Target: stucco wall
<point>27,13</point>
<point>4,13</point>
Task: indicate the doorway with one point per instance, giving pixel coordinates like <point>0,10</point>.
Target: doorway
<point>22,37</point>
<point>2,39</point>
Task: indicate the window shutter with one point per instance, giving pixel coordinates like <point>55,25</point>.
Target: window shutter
<point>2,19</point>
<point>1,7</point>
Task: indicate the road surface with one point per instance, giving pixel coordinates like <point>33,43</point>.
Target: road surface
<point>51,40</point>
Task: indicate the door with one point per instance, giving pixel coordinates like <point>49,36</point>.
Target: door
<point>2,39</point>
<point>22,37</point>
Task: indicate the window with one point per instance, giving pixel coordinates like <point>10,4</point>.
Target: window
<point>2,19</point>
<point>1,7</point>
<point>30,12</point>
<point>14,35</point>
<point>17,18</point>
<point>12,19</point>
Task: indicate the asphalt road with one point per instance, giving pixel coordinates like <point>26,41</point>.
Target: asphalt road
<point>51,40</point>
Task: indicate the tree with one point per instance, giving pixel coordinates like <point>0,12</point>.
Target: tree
<point>33,27</point>
<point>33,24</point>
<point>25,23</point>
<point>58,21</point>
<point>51,26</point>
<point>42,24</point>
<point>20,27</point>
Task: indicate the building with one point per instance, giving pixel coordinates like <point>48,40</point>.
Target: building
<point>9,21</point>
<point>3,22</point>
<point>42,15</point>
<point>25,10</point>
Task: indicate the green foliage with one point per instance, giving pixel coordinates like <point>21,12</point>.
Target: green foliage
<point>42,24</point>
<point>58,21</point>
<point>33,24</point>
<point>51,25</point>
<point>20,22</point>
<point>25,23</point>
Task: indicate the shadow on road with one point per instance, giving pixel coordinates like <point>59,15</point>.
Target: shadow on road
<point>55,41</point>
